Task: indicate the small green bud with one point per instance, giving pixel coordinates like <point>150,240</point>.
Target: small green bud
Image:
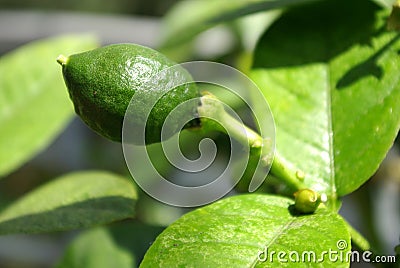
<point>306,201</point>
<point>300,175</point>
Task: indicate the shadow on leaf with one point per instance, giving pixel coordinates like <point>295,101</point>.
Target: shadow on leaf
<point>366,68</point>
<point>309,34</point>
<point>78,215</point>
<point>295,213</point>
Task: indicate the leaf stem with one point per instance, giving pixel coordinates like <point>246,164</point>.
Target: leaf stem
<point>212,111</point>
<point>358,239</point>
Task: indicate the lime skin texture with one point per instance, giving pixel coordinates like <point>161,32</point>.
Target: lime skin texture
<point>102,82</point>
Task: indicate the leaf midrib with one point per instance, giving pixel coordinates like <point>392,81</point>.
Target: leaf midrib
<point>330,133</point>
<point>275,237</point>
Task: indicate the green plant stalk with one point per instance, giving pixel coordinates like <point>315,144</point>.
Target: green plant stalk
<point>292,177</point>
<point>212,111</point>
<point>358,239</point>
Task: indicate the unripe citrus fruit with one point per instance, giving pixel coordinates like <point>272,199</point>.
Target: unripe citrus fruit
<point>102,82</point>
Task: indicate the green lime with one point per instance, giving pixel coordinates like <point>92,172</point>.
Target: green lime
<point>102,82</point>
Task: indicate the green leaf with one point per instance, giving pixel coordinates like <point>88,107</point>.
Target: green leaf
<point>72,201</point>
<point>121,244</point>
<point>134,236</point>
<point>34,103</point>
<point>234,231</point>
<point>204,14</point>
<point>330,73</point>
<point>96,248</point>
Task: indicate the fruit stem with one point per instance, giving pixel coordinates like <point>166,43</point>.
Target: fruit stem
<point>212,110</point>
<point>62,60</point>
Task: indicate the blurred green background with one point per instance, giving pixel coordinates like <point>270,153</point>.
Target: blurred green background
<point>154,8</point>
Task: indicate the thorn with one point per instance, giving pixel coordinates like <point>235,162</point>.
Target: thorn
<point>62,60</point>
